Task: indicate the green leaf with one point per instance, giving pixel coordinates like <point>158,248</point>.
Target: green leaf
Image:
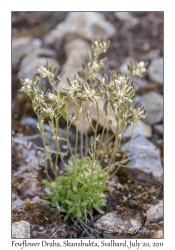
<point>83,66</point>
<point>112,104</point>
<point>54,70</point>
<point>84,203</point>
<point>79,74</point>
<point>38,74</point>
<point>99,210</point>
<point>110,122</point>
<point>46,202</point>
<point>49,185</point>
<point>131,95</point>
<point>105,107</point>
<point>69,82</point>
<point>133,104</point>
<point>79,104</point>
<point>22,81</point>
<point>62,108</point>
<point>79,213</point>
<point>69,202</point>
<point>123,162</point>
<point>64,114</point>
<point>33,79</point>
<point>64,93</point>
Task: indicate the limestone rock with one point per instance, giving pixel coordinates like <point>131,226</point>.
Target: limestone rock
<point>113,224</point>
<point>76,52</point>
<point>155,70</point>
<point>155,213</point>
<point>28,68</point>
<point>140,128</point>
<point>153,102</point>
<point>158,129</point>
<point>88,25</point>
<point>148,168</point>
<point>21,47</point>
<point>21,230</point>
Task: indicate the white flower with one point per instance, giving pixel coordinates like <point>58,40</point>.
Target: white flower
<point>141,64</point>
<point>27,80</point>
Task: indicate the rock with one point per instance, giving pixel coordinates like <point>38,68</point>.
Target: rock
<point>158,129</point>
<point>155,70</point>
<point>37,139</point>
<point>39,52</point>
<point>154,105</point>
<point>158,234</point>
<point>140,128</point>
<point>76,52</point>
<point>113,224</point>
<point>148,168</point>
<point>21,230</point>
<point>16,201</point>
<point>154,213</point>
<point>128,17</point>
<point>88,25</point>
<point>21,47</point>
<point>26,178</point>
<point>29,67</point>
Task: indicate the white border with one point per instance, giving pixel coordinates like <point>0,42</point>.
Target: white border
<point>5,97</point>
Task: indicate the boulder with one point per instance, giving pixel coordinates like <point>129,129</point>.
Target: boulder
<point>21,230</point>
<point>146,164</point>
<point>21,47</point>
<point>155,70</point>
<point>153,102</point>
<point>87,25</point>
<point>155,213</point>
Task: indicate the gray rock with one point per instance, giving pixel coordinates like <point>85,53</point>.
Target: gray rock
<point>76,52</point>
<point>21,47</point>
<point>158,129</point>
<point>154,105</point>
<point>37,139</point>
<point>112,224</point>
<point>21,230</point>
<point>140,128</point>
<point>155,213</point>
<point>147,168</point>
<point>29,67</point>
<point>88,25</point>
<point>39,52</point>
<point>16,201</point>
<point>155,70</point>
<point>127,17</point>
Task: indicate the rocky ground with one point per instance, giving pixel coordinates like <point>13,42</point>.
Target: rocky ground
<point>135,196</point>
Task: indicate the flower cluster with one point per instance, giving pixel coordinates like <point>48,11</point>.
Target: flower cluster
<point>26,86</point>
<point>100,47</point>
<point>137,69</point>
<point>44,72</point>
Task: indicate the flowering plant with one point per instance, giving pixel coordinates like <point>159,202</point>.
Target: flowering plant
<point>79,190</point>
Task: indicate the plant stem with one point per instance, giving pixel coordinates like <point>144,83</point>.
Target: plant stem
<point>76,146</point>
<point>44,144</point>
<point>57,146</point>
<point>95,142</point>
